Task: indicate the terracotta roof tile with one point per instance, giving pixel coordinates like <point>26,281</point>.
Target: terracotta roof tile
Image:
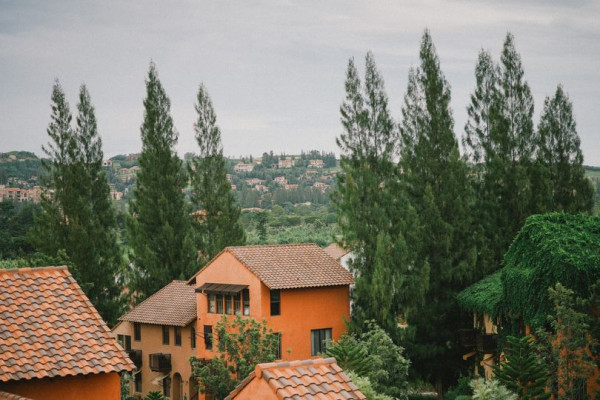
<point>290,266</point>
<point>309,379</point>
<point>10,396</point>
<point>42,311</point>
<point>335,251</point>
<point>174,305</point>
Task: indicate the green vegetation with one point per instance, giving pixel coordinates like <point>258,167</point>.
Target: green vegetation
<point>158,224</point>
<point>242,343</point>
<point>77,220</point>
<point>490,390</point>
<point>216,212</point>
<point>374,355</point>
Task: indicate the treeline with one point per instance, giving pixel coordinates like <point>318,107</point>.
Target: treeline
<point>426,221</point>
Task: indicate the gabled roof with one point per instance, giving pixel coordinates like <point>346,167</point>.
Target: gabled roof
<point>335,251</point>
<point>174,305</point>
<point>318,379</point>
<point>484,296</point>
<point>49,328</point>
<point>289,266</point>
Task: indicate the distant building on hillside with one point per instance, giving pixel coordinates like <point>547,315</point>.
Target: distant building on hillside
<point>241,167</point>
<point>316,163</point>
<point>285,163</point>
<point>280,180</point>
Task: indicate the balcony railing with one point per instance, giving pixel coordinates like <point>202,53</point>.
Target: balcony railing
<point>487,343</point>
<point>160,362</point>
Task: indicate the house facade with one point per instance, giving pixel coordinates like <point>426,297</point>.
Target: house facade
<point>300,291</point>
<point>54,344</point>
<point>160,336</point>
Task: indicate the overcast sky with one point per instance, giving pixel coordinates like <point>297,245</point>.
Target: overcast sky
<point>275,69</point>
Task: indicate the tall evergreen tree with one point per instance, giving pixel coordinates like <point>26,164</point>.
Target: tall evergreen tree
<point>502,144</point>
<point>560,156</point>
<point>439,191</point>
<point>77,220</point>
<point>217,221</point>
<point>374,214</point>
<point>158,225</point>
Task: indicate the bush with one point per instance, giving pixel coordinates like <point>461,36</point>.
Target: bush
<point>490,390</point>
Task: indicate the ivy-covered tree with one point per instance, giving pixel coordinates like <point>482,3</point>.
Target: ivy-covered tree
<point>77,219</point>
<point>217,219</point>
<point>376,220</point>
<point>437,185</point>
<point>561,157</point>
<point>158,224</point>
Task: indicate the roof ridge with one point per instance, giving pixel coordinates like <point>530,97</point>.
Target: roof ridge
<point>36,269</point>
<point>273,245</point>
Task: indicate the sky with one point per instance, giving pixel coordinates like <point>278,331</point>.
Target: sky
<point>275,69</point>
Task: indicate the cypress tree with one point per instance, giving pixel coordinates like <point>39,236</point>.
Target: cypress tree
<point>438,188</point>
<point>158,224</point>
<point>374,214</point>
<point>77,221</point>
<point>560,156</point>
<point>217,223</point>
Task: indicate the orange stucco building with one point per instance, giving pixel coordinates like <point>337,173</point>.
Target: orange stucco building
<point>160,336</point>
<point>300,291</point>
<point>54,344</point>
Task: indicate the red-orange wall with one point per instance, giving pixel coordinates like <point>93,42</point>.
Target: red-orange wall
<point>301,309</point>
<point>88,387</point>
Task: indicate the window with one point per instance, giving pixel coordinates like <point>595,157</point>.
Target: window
<point>211,303</point>
<point>177,336</point>
<point>318,340</point>
<point>167,386</point>
<point>193,338</point>
<point>125,341</point>
<point>138,382</point>
<point>165,330</point>
<point>237,304</point>
<point>229,305</point>
<point>137,331</point>
<point>219,304</point>
<point>208,337</point>
<point>246,301</point>
<point>276,302</point>
<point>278,349</point>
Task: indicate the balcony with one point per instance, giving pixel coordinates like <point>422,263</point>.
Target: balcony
<point>160,362</point>
<point>467,338</point>
<point>136,357</point>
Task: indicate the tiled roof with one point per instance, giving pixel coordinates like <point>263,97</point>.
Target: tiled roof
<point>49,328</point>
<point>174,305</point>
<point>309,379</point>
<point>335,251</point>
<point>10,396</point>
<point>290,266</point>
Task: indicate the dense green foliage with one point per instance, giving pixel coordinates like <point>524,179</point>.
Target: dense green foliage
<point>15,221</point>
<point>77,219</point>
<point>440,193</point>
<point>490,390</point>
<point>561,158</point>
<point>242,344</point>
<point>521,371</point>
<point>158,225</point>
<point>485,296</point>
<point>217,219</point>
<point>375,217</point>
<point>366,387</point>
<point>383,362</point>
<point>550,248</point>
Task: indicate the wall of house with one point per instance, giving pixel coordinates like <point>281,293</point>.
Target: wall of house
<point>151,342</point>
<point>89,387</point>
<point>301,309</point>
